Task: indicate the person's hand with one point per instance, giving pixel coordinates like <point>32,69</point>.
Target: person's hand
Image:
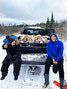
<point>54,62</point>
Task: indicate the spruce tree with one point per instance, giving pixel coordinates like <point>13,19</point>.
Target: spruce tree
<point>52,22</point>
<point>47,23</point>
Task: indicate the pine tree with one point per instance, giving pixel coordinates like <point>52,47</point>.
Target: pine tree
<point>52,22</point>
<point>47,23</point>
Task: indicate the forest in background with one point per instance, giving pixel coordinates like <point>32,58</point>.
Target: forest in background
<point>60,27</point>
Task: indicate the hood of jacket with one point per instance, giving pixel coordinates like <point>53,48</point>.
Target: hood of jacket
<point>55,35</point>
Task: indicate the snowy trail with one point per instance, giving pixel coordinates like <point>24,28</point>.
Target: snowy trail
<point>28,81</point>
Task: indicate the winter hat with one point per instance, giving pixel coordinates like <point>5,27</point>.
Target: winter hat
<point>10,40</point>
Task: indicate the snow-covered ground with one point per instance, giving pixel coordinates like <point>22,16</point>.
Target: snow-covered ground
<point>25,79</point>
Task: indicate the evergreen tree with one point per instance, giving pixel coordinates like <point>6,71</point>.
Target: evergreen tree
<point>0,25</point>
<point>52,22</point>
<point>48,23</point>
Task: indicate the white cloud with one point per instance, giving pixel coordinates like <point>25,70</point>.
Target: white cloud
<point>33,10</point>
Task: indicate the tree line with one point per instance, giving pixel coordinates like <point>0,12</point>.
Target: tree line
<point>60,27</point>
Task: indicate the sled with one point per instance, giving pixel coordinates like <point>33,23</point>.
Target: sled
<point>58,84</point>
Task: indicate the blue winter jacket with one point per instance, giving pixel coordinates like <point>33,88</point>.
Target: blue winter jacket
<point>55,49</point>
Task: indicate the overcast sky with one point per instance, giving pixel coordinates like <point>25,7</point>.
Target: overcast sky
<point>32,11</point>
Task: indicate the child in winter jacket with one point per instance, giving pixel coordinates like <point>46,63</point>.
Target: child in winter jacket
<point>55,57</point>
<point>13,56</point>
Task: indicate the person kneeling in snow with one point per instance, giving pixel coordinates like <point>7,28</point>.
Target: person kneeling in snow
<point>55,57</point>
<point>13,56</point>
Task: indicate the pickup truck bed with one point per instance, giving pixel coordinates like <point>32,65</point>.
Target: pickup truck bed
<point>35,39</point>
<point>33,47</point>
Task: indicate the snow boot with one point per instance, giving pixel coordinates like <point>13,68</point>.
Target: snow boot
<point>2,78</point>
<point>46,84</point>
<point>45,87</point>
<point>61,83</point>
<point>16,78</point>
<point>65,83</point>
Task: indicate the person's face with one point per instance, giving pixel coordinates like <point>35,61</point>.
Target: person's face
<point>53,38</point>
<point>13,43</point>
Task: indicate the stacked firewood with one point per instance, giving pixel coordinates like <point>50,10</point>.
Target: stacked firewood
<point>34,39</point>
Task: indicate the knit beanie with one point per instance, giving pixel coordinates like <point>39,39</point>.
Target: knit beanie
<point>10,40</point>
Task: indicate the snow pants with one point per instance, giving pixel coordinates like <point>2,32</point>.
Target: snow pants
<point>49,62</point>
<point>16,64</point>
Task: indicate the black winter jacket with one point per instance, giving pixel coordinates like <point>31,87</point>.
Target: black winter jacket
<point>13,51</point>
